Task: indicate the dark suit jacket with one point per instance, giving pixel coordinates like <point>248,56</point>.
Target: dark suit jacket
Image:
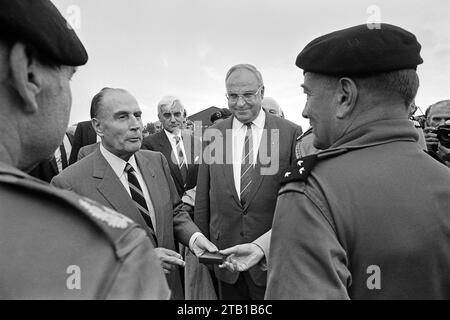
<point>160,142</point>
<point>47,169</point>
<point>84,135</point>
<point>93,177</point>
<point>218,211</point>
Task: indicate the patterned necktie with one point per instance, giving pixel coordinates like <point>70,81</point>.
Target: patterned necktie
<point>138,196</point>
<point>181,160</point>
<point>247,168</point>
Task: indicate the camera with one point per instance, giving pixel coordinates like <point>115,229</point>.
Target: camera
<point>419,121</point>
<point>443,135</point>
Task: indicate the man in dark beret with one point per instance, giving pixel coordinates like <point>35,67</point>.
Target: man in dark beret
<point>354,221</point>
<point>55,244</point>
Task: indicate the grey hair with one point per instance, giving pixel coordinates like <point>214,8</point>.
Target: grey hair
<point>404,82</point>
<point>248,67</point>
<point>169,101</point>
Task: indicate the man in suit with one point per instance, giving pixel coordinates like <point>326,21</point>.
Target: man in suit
<point>133,182</point>
<point>84,135</point>
<point>181,150</point>
<point>47,169</point>
<point>237,190</point>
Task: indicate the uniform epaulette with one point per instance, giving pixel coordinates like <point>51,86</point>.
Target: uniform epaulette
<point>298,152</point>
<point>303,166</point>
<point>114,225</point>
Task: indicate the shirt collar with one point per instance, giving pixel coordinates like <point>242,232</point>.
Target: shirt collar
<point>259,122</point>
<point>171,136</point>
<point>116,163</point>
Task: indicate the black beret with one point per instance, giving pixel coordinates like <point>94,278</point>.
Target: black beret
<point>216,116</point>
<point>223,113</point>
<point>361,51</point>
<point>39,23</point>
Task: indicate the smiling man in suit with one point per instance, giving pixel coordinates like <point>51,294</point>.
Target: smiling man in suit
<point>237,192</point>
<point>133,182</point>
<point>182,151</point>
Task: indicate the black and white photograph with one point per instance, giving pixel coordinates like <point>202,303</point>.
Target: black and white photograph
<point>205,152</point>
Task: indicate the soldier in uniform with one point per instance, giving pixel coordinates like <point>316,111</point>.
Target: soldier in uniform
<point>350,222</point>
<point>54,244</point>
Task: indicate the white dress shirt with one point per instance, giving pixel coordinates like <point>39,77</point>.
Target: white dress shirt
<point>118,165</point>
<point>239,131</point>
<point>173,143</point>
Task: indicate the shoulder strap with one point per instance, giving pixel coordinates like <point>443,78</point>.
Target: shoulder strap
<point>302,168</point>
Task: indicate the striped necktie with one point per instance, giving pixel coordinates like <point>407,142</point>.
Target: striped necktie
<point>247,168</point>
<point>138,196</point>
<point>181,160</point>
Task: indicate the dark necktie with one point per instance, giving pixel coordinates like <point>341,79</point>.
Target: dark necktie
<point>247,168</point>
<point>181,160</point>
<point>138,196</point>
<point>64,162</point>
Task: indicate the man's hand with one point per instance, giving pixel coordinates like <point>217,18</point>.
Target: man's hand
<point>444,153</point>
<point>431,138</point>
<point>201,244</point>
<point>169,259</point>
<point>242,257</point>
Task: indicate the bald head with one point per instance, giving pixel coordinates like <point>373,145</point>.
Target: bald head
<point>271,106</point>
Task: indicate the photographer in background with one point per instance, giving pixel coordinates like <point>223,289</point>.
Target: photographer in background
<point>419,123</point>
<point>437,131</point>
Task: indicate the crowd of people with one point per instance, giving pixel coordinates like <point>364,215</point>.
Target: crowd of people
<point>355,207</point>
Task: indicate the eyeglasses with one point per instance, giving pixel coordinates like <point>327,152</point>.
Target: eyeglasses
<point>248,96</point>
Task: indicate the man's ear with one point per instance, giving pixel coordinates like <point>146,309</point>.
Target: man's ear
<point>97,126</point>
<point>347,94</point>
<point>27,76</point>
<point>262,93</point>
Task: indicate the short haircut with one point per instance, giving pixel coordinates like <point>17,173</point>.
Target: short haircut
<point>97,100</point>
<point>404,83</point>
<point>170,101</point>
<point>428,111</point>
<point>248,67</point>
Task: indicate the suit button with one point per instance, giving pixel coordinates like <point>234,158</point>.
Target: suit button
<point>242,234</point>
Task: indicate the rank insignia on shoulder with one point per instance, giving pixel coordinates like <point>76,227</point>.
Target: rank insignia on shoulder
<point>112,218</point>
<point>301,170</point>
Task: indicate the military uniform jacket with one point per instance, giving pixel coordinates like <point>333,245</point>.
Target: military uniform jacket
<point>370,220</point>
<point>57,245</point>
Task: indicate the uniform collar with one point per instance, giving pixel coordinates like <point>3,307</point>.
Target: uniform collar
<point>378,132</point>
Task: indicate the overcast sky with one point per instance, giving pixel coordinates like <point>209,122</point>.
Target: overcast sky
<point>185,47</point>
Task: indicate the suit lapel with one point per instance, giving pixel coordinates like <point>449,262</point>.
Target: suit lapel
<point>151,181</point>
<point>114,192</point>
<point>167,151</point>
<point>257,177</point>
<point>227,167</point>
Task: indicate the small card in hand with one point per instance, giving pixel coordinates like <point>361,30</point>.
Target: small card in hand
<point>211,258</point>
